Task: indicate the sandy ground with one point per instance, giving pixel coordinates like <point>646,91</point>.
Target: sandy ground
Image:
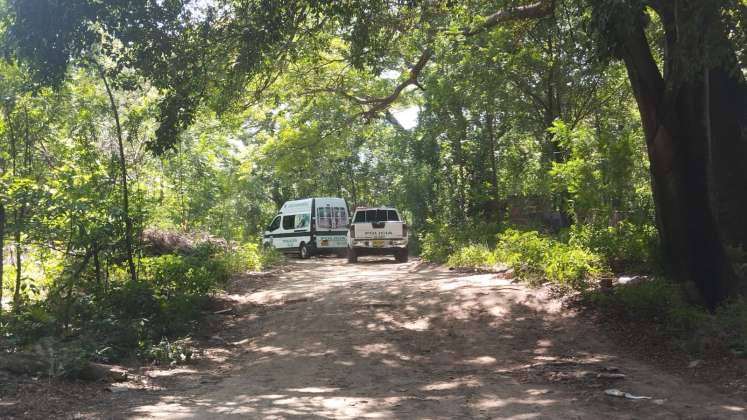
<point>377,339</point>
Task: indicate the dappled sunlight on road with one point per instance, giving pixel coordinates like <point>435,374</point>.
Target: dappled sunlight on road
<point>377,339</point>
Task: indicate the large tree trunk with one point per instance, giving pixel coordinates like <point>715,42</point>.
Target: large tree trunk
<point>677,140</point>
<point>727,102</point>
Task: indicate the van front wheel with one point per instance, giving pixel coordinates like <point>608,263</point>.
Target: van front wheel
<point>303,251</point>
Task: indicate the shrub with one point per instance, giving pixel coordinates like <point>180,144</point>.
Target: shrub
<point>174,275</point>
<point>168,352</point>
<point>571,266</point>
<point>535,257</point>
<point>440,240</point>
<point>621,246</point>
<point>125,318</point>
<point>472,256</point>
<point>437,243</point>
<point>525,252</point>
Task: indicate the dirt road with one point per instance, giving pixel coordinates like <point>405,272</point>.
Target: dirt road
<point>377,339</point>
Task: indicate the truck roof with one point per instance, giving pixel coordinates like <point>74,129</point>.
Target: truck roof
<point>375,208</point>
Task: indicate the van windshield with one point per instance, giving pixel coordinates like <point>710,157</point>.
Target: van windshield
<point>376,215</point>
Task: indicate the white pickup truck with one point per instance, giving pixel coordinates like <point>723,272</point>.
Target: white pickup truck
<point>377,231</point>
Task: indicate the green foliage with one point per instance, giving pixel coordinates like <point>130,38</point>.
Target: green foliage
<point>250,257</point>
<point>437,244</point>
<point>168,352</point>
<point>140,318</point>
<point>571,266</point>
<point>440,240</point>
<point>534,257</point>
<point>603,175</point>
<point>70,358</point>
<point>32,323</point>
<point>659,310</point>
<point>176,275</point>
<point>624,246</point>
<point>472,256</point>
<point>525,252</point>
<point>168,298</point>
<point>303,118</point>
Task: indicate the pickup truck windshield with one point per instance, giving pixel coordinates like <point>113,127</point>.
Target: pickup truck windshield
<point>368,216</point>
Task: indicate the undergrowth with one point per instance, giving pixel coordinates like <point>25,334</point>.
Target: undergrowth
<point>655,309</point>
<point>534,258</point>
<point>145,319</point>
<point>659,311</point>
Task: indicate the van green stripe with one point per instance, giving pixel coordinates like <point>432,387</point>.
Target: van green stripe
<point>296,234</point>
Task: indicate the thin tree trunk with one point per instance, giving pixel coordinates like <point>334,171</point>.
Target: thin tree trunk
<point>2,252</point>
<point>97,264</point>
<point>123,174</point>
<point>19,269</point>
<point>495,209</point>
<point>16,219</point>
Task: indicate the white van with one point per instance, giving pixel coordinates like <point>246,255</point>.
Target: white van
<point>309,226</point>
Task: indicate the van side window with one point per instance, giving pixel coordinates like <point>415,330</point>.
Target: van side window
<point>341,217</point>
<point>302,220</point>
<point>289,222</point>
<point>323,218</point>
<point>274,225</point>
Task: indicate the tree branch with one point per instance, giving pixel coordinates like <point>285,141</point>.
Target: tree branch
<point>536,10</point>
<point>380,104</point>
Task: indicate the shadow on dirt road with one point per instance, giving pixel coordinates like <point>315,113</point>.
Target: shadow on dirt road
<point>327,339</point>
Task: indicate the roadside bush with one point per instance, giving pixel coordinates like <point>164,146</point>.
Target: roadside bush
<point>123,318</point>
<point>250,257</point>
<point>525,252</point>
<point>534,257</point>
<point>440,240</point>
<point>571,266</point>
<point>472,256</point>
<point>623,246</point>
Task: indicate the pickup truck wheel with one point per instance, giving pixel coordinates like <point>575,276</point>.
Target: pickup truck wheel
<point>352,255</point>
<point>401,256</point>
<point>303,251</point>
